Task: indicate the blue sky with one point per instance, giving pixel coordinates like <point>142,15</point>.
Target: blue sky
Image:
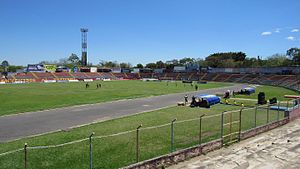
<point>142,31</point>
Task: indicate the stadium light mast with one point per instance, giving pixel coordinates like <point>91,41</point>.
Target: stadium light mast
<point>84,46</point>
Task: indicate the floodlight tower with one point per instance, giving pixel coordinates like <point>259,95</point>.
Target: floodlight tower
<point>84,46</point>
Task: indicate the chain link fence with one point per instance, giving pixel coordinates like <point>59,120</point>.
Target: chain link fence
<point>142,143</point>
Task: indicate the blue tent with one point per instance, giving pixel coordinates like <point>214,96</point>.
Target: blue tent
<point>211,99</point>
<point>249,90</point>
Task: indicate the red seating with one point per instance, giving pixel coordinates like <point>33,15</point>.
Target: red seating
<point>63,75</point>
<point>45,75</point>
<point>290,81</point>
<point>24,76</point>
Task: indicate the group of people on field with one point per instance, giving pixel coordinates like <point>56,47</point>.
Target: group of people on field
<point>98,85</point>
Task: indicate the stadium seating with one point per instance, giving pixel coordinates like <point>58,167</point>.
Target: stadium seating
<point>24,76</point>
<point>120,75</point>
<point>288,81</point>
<point>146,75</point>
<point>62,75</point>
<point>46,76</point>
<point>132,76</point>
<point>80,75</point>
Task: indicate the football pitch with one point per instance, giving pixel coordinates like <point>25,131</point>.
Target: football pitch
<point>18,98</point>
<point>119,150</point>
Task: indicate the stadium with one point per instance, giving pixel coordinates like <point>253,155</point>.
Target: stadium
<point>266,76</point>
<point>113,125</point>
<point>216,107</point>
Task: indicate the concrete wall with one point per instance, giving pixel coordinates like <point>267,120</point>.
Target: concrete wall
<point>294,114</point>
<point>261,129</point>
<point>178,156</point>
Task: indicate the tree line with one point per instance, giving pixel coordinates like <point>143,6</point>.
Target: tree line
<point>215,60</point>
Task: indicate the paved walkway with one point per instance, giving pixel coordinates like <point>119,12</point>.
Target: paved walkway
<point>276,149</point>
<point>28,124</point>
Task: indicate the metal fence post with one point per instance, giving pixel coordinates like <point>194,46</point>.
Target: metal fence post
<point>91,151</point>
<point>138,144</point>
<point>200,129</point>
<point>255,116</point>
<point>240,124</point>
<point>268,113</point>
<point>222,126</point>
<point>278,110</point>
<point>25,155</point>
<point>172,134</point>
<point>287,105</point>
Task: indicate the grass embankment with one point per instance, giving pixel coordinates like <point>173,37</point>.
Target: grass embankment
<point>18,98</point>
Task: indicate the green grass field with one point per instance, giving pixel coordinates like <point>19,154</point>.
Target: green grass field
<point>18,98</point>
<point>118,151</point>
<point>114,152</point>
<point>270,92</point>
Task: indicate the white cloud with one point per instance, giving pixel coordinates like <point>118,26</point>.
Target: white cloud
<point>266,33</point>
<point>290,38</point>
<point>277,30</point>
<point>295,30</point>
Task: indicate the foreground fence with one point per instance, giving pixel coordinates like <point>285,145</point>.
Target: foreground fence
<point>198,135</point>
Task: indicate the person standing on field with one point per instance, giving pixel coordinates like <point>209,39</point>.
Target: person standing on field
<point>185,99</point>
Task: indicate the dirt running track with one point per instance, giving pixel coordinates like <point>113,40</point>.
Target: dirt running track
<point>275,149</point>
<point>33,123</point>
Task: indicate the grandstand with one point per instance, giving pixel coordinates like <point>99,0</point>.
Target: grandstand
<point>288,81</point>
<point>25,76</point>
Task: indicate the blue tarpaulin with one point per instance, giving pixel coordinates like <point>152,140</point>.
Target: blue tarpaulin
<point>211,99</point>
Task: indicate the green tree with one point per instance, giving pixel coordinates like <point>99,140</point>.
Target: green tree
<point>13,68</point>
<point>235,59</point>
<point>186,60</point>
<point>139,65</point>
<point>160,64</point>
<point>109,64</point>
<point>239,56</point>
<point>5,65</point>
<point>277,60</point>
<point>251,62</point>
<point>202,62</point>
<point>125,65</point>
<point>170,64</point>
<point>294,54</point>
<point>151,65</point>
<point>74,59</point>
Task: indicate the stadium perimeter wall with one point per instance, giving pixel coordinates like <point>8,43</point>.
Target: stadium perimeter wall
<point>294,114</point>
<point>178,156</point>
